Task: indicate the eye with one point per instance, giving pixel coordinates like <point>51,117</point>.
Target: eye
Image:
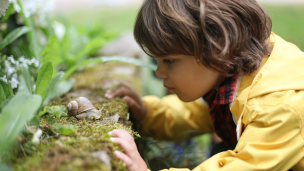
<point>166,61</point>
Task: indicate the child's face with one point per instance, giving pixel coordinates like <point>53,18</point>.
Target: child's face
<point>186,77</point>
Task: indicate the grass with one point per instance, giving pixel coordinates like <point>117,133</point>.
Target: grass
<point>288,22</point>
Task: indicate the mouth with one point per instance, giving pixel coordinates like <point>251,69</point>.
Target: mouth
<point>169,88</point>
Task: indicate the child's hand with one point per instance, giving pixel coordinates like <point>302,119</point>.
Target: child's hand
<point>131,156</point>
<point>137,108</point>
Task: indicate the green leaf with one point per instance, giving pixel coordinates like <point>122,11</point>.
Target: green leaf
<point>34,121</point>
<point>22,85</point>
<point>19,110</point>
<point>28,78</point>
<point>89,48</point>
<point>44,77</point>
<point>65,43</point>
<point>10,89</point>
<point>2,94</point>
<point>65,129</point>
<point>51,52</point>
<point>61,88</point>
<point>52,84</point>
<point>107,59</point>
<point>50,29</point>
<point>58,111</point>
<point>50,121</point>
<point>8,12</point>
<point>42,113</point>
<point>7,88</point>
<point>12,36</point>
<point>32,34</point>
<point>34,41</point>
<point>6,102</point>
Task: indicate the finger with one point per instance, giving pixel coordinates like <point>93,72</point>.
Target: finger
<point>128,147</point>
<point>120,133</point>
<point>123,89</point>
<point>136,108</point>
<point>124,158</point>
<point>120,91</point>
<point>125,84</point>
<point>133,105</point>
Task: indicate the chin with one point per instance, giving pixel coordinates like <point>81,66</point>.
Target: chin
<point>187,99</point>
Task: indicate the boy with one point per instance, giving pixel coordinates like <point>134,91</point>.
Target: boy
<point>251,79</point>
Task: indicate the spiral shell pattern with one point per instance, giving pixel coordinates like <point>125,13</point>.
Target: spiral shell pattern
<point>82,108</point>
<point>72,108</point>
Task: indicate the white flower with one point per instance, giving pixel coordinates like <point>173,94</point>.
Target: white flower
<point>59,29</point>
<point>4,78</point>
<point>38,7</point>
<point>29,6</point>
<point>21,59</point>
<point>9,69</point>
<point>34,61</point>
<point>36,136</point>
<point>3,7</point>
<point>14,82</point>
<point>11,59</point>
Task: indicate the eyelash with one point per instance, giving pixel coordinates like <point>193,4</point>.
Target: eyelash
<point>166,61</point>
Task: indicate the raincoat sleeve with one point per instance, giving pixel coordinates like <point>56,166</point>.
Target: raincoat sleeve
<point>271,141</point>
<point>170,118</point>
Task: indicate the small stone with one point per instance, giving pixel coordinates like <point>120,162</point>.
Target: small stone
<point>111,119</point>
<point>60,144</point>
<point>103,157</point>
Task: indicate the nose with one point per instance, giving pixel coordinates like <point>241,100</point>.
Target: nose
<point>160,73</point>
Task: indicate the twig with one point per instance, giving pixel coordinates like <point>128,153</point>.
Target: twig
<point>23,150</point>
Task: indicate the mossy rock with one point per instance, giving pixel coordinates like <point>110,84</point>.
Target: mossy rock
<point>83,149</point>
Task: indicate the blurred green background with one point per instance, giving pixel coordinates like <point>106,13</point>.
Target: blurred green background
<point>288,20</point>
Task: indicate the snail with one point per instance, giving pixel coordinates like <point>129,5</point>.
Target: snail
<point>82,108</point>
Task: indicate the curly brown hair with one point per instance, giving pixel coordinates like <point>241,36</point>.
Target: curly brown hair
<point>226,35</point>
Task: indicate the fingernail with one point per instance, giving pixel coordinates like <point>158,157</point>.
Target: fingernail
<point>112,139</point>
<point>110,133</point>
<point>117,152</point>
<point>108,96</point>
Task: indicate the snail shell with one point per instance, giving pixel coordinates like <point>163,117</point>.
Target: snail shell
<point>90,114</point>
<point>82,108</point>
<point>84,104</point>
<point>72,108</point>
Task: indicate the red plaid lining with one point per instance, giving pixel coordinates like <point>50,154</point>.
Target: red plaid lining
<point>220,113</point>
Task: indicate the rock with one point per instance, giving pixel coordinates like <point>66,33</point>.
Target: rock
<point>111,119</point>
<point>124,45</point>
<point>103,157</point>
<point>126,70</point>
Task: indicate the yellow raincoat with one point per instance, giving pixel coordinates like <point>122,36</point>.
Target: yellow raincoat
<point>268,110</point>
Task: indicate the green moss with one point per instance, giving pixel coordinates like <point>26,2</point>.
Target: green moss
<point>89,136</point>
<point>73,152</point>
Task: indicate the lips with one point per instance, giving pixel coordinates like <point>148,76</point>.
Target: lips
<point>169,88</point>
